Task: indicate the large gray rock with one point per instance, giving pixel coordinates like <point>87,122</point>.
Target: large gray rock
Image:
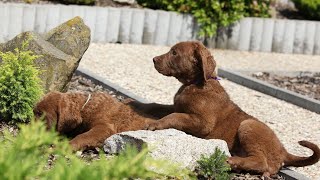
<point>169,144</point>
<point>71,37</point>
<point>60,51</point>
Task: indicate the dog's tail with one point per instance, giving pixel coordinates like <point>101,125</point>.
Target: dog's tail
<point>297,161</point>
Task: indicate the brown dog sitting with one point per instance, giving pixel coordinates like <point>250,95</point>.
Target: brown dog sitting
<point>203,108</point>
<point>90,119</point>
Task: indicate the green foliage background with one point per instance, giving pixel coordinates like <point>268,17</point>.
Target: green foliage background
<point>20,86</point>
<point>309,8</point>
<point>212,14</point>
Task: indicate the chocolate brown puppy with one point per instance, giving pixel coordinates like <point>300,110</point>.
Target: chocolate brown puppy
<point>203,108</point>
<point>88,118</point>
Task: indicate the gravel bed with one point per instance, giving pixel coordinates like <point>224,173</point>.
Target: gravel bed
<point>131,67</point>
<point>308,85</point>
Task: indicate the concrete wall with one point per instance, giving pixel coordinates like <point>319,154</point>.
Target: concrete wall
<point>271,35</point>
<point>126,25</point>
<point>144,26</point>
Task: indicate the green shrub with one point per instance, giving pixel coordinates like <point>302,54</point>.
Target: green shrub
<point>258,8</point>
<point>214,166</point>
<point>20,86</point>
<point>26,157</point>
<point>309,8</point>
<point>210,14</point>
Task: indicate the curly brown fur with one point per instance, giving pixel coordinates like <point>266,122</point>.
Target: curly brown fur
<point>89,124</point>
<point>203,108</point>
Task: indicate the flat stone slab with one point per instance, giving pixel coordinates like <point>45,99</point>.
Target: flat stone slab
<point>169,144</point>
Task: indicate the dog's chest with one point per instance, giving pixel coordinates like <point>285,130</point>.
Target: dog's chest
<point>187,99</point>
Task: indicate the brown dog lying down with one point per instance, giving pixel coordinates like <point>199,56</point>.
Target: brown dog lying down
<point>203,108</point>
<point>90,120</point>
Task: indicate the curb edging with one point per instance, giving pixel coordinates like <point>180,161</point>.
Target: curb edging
<point>108,85</point>
<point>266,88</point>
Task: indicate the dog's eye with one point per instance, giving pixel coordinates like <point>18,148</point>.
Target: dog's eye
<point>174,52</point>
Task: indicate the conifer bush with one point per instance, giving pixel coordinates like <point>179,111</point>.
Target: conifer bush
<point>214,166</point>
<point>20,86</point>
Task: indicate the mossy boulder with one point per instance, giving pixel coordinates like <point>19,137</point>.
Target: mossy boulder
<point>71,37</point>
<point>61,50</point>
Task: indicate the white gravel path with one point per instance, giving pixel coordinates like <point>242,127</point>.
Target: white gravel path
<point>131,67</point>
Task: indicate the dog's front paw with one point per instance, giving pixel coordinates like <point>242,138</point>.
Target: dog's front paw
<point>154,126</point>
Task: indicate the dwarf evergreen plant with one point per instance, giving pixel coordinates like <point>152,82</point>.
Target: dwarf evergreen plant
<point>214,166</point>
<point>20,85</point>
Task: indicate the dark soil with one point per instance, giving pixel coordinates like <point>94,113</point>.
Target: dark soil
<point>308,85</point>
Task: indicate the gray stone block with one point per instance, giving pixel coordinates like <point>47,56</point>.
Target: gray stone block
<point>65,13</point>
<point>174,28</point>
<point>288,37</point>
<point>222,38</point>
<point>101,25</point>
<point>266,41</point>
<point>299,36</point>
<point>187,28</point>
<point>28,21</point>
<point>256,34</point>
<point>90,19</point>
<point>278,34</point>
<point>53,13</point>
<point>136,31</point>
<point>169,144</point>
<point>233,36</point>
<point>162,28</point>
<point>149,27</point>
<point>317,40</point>
<point>309,40</point>
<point>78,11</point>
<point>15,21</point>
<point>4,17</point>
<point>245,31</point>
<point>113,24</point>
<point>41,19</point>
<point>125,24</point>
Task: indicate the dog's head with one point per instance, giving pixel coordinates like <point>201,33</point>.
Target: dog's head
<point>59,112</point>
<point>47,110</point>
<point>189,62</point>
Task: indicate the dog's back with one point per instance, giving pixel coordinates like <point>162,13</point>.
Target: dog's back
<point>89,118</point>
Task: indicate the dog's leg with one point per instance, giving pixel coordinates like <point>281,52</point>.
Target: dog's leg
<point>180,121</point>
<point>262,147</point>
<point>92,138</point>
<point>153,109</point>
<point>253,163</point>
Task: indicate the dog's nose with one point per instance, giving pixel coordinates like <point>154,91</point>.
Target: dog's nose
<point>155,59</point>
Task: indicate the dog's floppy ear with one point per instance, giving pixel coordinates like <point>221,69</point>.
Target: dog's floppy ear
<point>43,111</point>
<point>205,59</point>
<point>69,117</point>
